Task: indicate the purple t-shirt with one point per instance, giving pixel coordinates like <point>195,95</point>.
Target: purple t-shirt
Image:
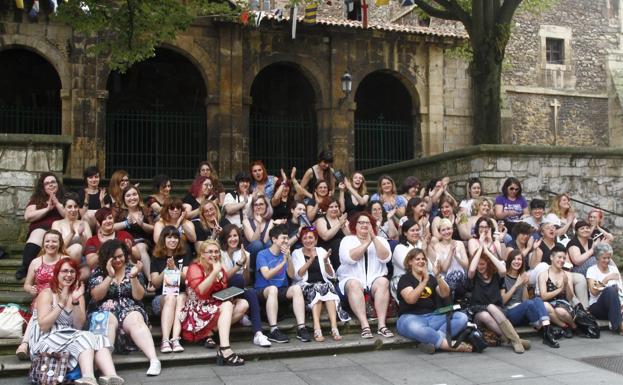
<point>517,205</point>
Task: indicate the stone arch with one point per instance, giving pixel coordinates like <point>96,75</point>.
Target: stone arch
<point>407,80</point>
<point>310,70</point>
<point>386,118</point>
<point>45,50</point>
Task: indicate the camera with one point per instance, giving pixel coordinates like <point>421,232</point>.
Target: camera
<point>339,176</point>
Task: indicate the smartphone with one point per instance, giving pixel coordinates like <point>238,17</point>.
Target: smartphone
<point>596,237</point>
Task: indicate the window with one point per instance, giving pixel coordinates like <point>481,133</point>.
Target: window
<point>353,10</point>
<point>554,51</point>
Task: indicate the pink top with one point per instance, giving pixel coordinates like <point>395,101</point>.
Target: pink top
<point>43,277</point>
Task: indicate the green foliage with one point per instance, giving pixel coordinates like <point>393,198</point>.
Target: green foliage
<point>536,6</point>
<point>128,31</point>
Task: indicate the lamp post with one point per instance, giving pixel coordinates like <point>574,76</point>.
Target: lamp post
<point>347,86</point>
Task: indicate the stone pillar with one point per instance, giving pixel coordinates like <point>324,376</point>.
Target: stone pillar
<point>615,97</point>
<point>233,129</point>
<point>343,108</point>
<point>433,132</point>
<point>213,124</point>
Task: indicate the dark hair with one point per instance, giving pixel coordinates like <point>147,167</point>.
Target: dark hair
<point>431,184</point>
<point>509,260</point>
<point>521,228</point>
<point>102,214</point>
<point>408,184</point>
<point>537,204</point>
<point>579,224</point>
<point>489,221</point>
<point>169,203</point>
<point>89,172</point>
<point>70,196</point>
<point>406,225</point>
<point>508,182</point>
<point>222,237</point>
<point>125,191</point>
<point>160,181</point>
<point>325,155</point>
<point>278,230</point>
<point>470,183</point>
<point>558,248</point>
<point>39,196</point>
<point>384,213</point>
<point>413,202</point>
<point>161,249</point>
<point>107,251</point>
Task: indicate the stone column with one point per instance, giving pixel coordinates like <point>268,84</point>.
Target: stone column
<point>233,129</point>
<point>212,103</point>
<point>343,108</point>
<point>433,138</point>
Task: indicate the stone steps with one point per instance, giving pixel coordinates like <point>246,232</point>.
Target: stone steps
<point>196,354</point>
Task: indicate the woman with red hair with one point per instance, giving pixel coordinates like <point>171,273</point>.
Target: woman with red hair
<point>596,220</point>
<point>363,259</point>
<point>261,182</point>
<point>200,191</point>
<point>59,316</point>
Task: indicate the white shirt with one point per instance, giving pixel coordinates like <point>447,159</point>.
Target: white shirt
<point>595,274</point>
<point>398,258</point>
<point>298,260</point>
<point>229,263</point>
<point>234,218</point>
<point>351,269</point>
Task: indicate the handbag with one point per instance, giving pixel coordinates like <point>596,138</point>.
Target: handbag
<point>49,368</point>
<point>586,322</point>
<point>472,336</point>
<point>11,321</point>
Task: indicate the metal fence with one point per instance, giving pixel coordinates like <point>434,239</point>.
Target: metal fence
<point>30,120</point>
<point>282,141</point>
<point>146,143</point>
<point>379,142</point>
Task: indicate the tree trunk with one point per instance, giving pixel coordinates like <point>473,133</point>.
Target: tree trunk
<point>486,73</point>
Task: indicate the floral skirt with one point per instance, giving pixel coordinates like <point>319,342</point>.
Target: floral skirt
<point>199,317</point>
<point>318,291</point>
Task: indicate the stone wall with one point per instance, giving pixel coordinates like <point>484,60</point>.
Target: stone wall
<point>22,158</point>
<point>591,175</point>
<point>589,29</point>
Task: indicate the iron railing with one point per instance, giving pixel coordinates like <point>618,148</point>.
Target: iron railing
<point>283,142</point>
<point>379,142</point>
<point>146,143</point>
<point>30,120</point>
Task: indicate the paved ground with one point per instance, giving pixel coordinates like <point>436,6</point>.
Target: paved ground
<point>541,365</point>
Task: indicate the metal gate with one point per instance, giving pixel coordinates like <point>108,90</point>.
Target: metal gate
<point>30,120</point>
<point>147,143</point>
<point>281,141</point>
<point>379,142</point>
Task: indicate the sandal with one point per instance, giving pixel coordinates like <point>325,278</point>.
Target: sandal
<point>22,351</point>
<point>336,335</point>
<point>86,381</point>
<point>318,335</point>
<point>366,333</point>
<point>209,343</point>
<point>385,332</point>
<point>231,360</point>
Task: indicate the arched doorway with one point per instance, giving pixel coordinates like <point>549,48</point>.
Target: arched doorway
<point>282,121</point>
<point>30,101</point>
<point>156,118</point>
<point>384,129</point>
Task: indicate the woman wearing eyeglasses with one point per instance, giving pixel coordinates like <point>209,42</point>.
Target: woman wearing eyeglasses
<point>257,225</point>
<point>118,287</point>
<point>363,257</point>
<point>119,181</point>
<point>57,322</point>
<point>511,206</point>
<point>203,313</point>
<point>200,191</point>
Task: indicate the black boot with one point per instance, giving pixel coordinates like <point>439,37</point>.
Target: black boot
<point>31,250</point>
<point>548,338</point>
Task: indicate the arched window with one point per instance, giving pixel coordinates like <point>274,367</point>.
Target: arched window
<point>30,100</point>
<point>156,118</point>
<point>384,127</point>
<point>282,121</point>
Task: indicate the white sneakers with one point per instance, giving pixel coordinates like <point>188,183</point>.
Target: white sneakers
<point>154,367</point>
<point>261,340</point>
<point>245,321</point>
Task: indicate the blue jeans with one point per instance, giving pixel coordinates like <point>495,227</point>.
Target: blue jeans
<point>430,328</point>
<point>531,311</point>
<point>251,296</point>
<point>608,306</point>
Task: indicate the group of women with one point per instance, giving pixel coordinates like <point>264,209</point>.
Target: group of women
<point>506,262</point>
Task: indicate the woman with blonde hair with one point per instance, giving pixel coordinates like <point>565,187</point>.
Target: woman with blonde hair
<point>565,217</point>
<point>387,195</point>
<point>203,313</point>
<point>119,180</point>
<point>210,224</point>
<point>353,194</point>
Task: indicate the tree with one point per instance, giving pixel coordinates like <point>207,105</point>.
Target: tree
<point>488,24</point>
<point>128,31</point>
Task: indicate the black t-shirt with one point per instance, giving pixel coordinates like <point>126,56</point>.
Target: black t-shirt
<point>314,274</point>
<point>484,293</point>
<point>576,242</point>
<point>281,211</point>
<point>350,207</point>
<point>547,251</point>
<point>159,264</point>
<point>92,199</point>
<point>427,303</point>
<point>206,233</point>
<point>190,200</point>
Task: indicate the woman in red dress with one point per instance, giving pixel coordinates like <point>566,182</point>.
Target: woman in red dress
<point>204,313</point>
